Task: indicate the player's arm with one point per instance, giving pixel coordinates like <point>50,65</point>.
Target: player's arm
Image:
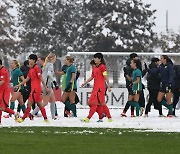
<point>59,72</point>
<point>22,78</point>
<point>2,82</point>
<point>138,79</point>
<point>105,74</point>
<point>88,80</point>
<point>23,82</point>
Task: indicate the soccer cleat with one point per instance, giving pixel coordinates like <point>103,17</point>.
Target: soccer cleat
<point>85,120</point>
<point>100,120</point>
<point>169,116</point>
<point>19,120</point>
<point>46,121</point>
<point>31,117</point>
<point>110,120</point>
<point>141,111</point>
<point>6,116</point>
<point>123,114</point>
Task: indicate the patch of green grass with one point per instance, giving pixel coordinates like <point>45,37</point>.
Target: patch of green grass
<point>56,140</point>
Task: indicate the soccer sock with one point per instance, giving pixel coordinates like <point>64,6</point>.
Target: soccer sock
<point>67,104</point>
<point>23,107</point>
<point>19,108</point>
<point>73,109</point>
<point>12,105</point>
<point>26,113</point>
<point>43,111</point>
<point>170,107</point>
<point>52,108</point>
<point>92,111</point>
<point>56,114</point>
<point>135,104</point>
<point>36,110</point>
<point>0,116</point>
<point>99,110</point>
<point>160,110</point>
<point>132,110</point>
<point>106,111</point>
<point>126,107</point>
<point>8,110</point>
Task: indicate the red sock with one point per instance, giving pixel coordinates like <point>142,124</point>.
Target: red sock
<point>106,111</point>
<point>92,111</point>
<point>43,111</point>
<point>0,115</point>
<point>8,110</point>
<point>26,113</point>
<point>99,110</point>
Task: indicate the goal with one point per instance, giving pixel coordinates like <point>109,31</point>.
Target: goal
<point>115,63</point>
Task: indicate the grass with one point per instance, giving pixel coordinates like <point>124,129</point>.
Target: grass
<point>57,140</point>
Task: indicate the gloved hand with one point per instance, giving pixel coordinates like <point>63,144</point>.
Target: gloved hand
<point>55,85</point>
<point>168,88</point>
<point>69,87</point>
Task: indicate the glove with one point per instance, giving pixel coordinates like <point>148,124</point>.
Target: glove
<point>145,66</point>
<point>130,85</point>
<point>169,88</point>
<point>125,70</point>
<point>55,85</point>
<point>69,87</point>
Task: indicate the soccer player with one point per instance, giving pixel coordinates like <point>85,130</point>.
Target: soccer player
<point>35,95</point>
<point>176,91</point>
<point>100,76</point>
<point>68,96</point>
<point>136,85</point>
<point>5,92</point>
<point>153,84</point>
<point>49,78</point>
<point>16,78</point>
<point>166,71</point>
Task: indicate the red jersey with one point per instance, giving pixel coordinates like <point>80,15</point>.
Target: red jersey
<point>4,75</point>
<point>35,74</point>
<point>98,73</point>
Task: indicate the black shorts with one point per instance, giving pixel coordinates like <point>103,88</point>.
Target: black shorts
<point>130,92</point>
<point>164,88</point>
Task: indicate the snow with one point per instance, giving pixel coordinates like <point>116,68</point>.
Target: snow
<point>152,123</point>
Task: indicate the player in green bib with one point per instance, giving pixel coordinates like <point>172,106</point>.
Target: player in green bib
<point>136,85</point>
<point>16,78</point>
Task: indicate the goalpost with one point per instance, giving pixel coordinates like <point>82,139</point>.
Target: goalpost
<point>115,63</point>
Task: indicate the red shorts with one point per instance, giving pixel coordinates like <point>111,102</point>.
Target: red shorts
<point>4,97</point>
<point>97,98</point>
<point>35,96</point>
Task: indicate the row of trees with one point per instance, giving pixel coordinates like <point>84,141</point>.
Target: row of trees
<point>80,25</point>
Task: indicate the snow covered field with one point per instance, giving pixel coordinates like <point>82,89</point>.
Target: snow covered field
<point>151,123</point>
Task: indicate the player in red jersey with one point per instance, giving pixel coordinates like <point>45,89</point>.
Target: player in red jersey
<point>100,76</point>
<point>35,95</point>
<point>4,91</point>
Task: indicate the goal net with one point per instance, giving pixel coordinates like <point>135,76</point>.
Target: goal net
<point>115,62</point>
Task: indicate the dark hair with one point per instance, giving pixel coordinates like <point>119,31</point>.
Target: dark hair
<point>133,55</point>
<point>42,58</point>
<point>166,57</point>
<point>153,60</point>
<point>100,56</point>
<point>26,62</point>
<point>0,62</point>
<point>138,63</point>
<point>33,57</point>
